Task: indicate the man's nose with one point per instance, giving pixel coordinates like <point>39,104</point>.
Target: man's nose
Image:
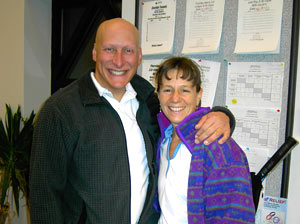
<point>118,59</point>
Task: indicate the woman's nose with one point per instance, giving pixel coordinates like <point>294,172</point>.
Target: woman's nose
<point>175,96</point>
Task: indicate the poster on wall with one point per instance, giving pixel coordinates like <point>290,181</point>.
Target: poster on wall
<point>254,96</point>
<point>259,26</point>
<point>149,67</point>
<point>158,25</point>
<point>203,26</point>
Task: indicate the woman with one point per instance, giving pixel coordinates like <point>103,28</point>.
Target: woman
<point>197,183</point>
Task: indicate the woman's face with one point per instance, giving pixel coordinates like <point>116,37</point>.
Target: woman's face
<point>178,98</point>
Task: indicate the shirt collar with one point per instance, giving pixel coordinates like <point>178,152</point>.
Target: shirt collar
<point>168,133</point>
<point>129,94</point>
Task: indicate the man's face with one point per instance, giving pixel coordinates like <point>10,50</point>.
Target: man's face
<point>117,55</point>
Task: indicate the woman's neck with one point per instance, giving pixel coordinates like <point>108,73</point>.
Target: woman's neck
<point>175,141</point>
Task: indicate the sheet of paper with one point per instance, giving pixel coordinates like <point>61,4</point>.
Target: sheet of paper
<point>259,26</point>
<point>210,71</point>
<point>203,26</point>
<point>149,67</point>
<point>158,25</point>
<point>257,157</point>
<point>257,127</point>
<point>254,84</point>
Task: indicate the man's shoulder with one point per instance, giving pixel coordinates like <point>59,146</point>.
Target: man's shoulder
<point>62,101</point>
<point>75,91</point>
<point>65,94</point>
<point>141,86</point>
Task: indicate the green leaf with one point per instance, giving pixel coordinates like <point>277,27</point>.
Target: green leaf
<point>15,146</point>
<point>15,189</point>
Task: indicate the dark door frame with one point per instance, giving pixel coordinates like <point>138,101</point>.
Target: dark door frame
<point>68,39</point>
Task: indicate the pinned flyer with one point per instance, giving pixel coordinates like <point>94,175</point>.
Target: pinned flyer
<point>158,26</point>
<point>203,26</point>
<point>274,210</point>
<point>259,26</point>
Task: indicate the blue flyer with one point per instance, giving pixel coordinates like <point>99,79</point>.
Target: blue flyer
<point>273,210</point>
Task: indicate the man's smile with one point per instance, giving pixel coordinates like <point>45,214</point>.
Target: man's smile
<point>114,72</point>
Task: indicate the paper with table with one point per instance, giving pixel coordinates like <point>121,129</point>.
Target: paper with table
<point>254,92</point>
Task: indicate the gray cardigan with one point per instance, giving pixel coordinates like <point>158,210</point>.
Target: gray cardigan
<point>79,171</point>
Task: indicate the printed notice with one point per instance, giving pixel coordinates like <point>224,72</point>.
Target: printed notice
<point>257,157</point>
<point>257,128</point>
<point>273,211</point>
<point>210,71</point>
<point>255,84</point>
<point>158,25</point>
<point>203,26</point>
<point>149,67</point>
<point>254,92</point>
<point>259,26</point>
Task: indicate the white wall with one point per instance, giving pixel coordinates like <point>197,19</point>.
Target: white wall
<point>294,184</point>
<point>24,59</point>
<point>12,53</point>
<point>128,10</point>
<point>37,53</point>
<point>25,53</point>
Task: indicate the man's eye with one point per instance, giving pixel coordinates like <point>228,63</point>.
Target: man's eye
<point>186,90</point>
<point>128,51</point>
<point>166,90</point>
<point>109,49</point>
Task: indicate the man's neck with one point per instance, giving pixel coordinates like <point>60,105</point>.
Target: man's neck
<point>118,94</point>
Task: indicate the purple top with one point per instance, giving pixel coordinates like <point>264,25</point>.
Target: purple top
<point>219,186</point>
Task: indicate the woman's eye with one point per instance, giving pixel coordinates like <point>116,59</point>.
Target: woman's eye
<point>186,90</point>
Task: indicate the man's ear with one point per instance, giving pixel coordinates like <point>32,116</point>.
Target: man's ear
<point>94,53</point>
<point>140,56</point>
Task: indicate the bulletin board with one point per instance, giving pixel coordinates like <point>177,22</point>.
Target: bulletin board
<point>276,183</point>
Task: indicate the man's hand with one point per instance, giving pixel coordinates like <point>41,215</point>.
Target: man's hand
<point>211,127</point>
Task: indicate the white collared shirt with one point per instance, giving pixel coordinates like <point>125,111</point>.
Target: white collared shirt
<point>139,171</point>
<point>173,181</point>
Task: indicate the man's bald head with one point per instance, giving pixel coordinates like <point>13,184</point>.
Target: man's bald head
<point>115,25</point>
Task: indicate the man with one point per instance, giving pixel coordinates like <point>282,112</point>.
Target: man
<point>93,149</point>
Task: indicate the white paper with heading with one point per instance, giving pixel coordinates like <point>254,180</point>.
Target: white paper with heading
<point>149,68</point>
<point>254,95</point>
<point>158,26</point>
<point>259,26</point>
<point>203,26</point>
<point>210,71</point>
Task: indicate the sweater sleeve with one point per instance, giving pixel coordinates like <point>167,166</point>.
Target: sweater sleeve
<point>48,167</point>
<point>228,195</point>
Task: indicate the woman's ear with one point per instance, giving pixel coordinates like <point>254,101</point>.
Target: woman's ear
<point>199,96</point>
